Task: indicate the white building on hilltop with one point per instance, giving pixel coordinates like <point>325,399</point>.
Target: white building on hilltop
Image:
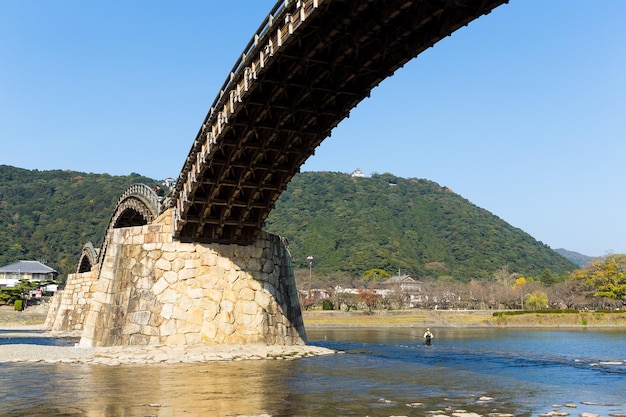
<point>357,173</point>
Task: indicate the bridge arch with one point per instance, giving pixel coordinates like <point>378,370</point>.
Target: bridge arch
<point>308,65</point>
<point>138,206</point>
<point>88,258</point>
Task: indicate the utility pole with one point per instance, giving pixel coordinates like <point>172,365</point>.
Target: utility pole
<point>310,259</point>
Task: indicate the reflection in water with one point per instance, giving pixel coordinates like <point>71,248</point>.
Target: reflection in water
<point>383,372</point>
<point>217,389</point>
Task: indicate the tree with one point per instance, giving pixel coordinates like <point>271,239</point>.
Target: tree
<point>376,274</point>
<point>536,300</point>
<point>347,300</point>
<point>607,277</point>
<point>369,298</point>
<point>20,292</point>
<point>547,277</point>
<point>569,293</point>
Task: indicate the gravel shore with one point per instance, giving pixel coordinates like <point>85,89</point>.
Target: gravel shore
<point>123,355</point>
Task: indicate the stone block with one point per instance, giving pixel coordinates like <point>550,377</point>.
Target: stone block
<point>247,307</point>
<point>254,265</point>
<point>224,317</point>
<point>254,285</point>
<point>230,295</point>
<point>170,276</point>
<point>151,246</point>
<point>138,239</point>
<point>224,263</point>
<point>170,247</point>
<point>170,296</point>
<point>187,273</point>
<point>163,264</point>
<point>193,338</point>
<point>263,299</point>
<point>139,340</point>
<point>209,329</point>
<point>213,294</point>
<point>168,328</point>
<point>178,264</point>
<point>154,254</point>
<point>154,228</point>
<point>168,256</point>
<point>246,294</point>
<point>179,313</point>
<point>131,328</point>
<point>141,317</point>
<point>227,306</point>
<point>195,293</point>
<point>185,327</point>
<point>160,286</point>
<point>167,311</point>
<point>209,259</point>
<point>175,339</point>
<point>211,310</point>
<point>195,316</point>
<point>191,264</point>
<point>268,266</point>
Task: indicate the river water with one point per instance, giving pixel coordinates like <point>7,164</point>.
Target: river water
<point>381,372</point>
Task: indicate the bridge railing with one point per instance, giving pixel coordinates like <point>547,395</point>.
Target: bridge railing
<point>282,21</point>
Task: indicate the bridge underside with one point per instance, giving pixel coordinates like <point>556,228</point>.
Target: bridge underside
<point>331,62</point>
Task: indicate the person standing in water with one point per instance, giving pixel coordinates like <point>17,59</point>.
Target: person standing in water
<point>427,337</point>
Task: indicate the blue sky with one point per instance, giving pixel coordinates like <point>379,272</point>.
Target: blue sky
<point>523,112</point>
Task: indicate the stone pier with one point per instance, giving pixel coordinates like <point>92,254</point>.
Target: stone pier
<point>152,290</point>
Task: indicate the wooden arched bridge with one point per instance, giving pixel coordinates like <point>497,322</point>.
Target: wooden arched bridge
<point>138,205</point>
<point>306,67</point>
<point>309,63</point>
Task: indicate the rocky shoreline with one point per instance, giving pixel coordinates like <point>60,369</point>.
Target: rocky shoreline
<point>127,355</point>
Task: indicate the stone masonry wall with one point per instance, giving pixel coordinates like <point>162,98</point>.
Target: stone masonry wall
<point>69,307</point>
<point>153,290</point>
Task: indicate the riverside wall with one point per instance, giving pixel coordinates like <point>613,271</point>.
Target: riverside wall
<point>152,290</point>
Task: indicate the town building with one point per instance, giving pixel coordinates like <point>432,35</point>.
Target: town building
<point>34,271</point>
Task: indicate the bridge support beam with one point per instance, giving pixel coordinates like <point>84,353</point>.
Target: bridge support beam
<point>154,290</point>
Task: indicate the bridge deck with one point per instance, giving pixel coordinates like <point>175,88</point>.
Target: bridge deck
<point>310,64</point>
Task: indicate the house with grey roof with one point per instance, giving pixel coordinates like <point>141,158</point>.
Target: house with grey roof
<point>34,271</point>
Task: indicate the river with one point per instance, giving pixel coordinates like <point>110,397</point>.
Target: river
<point>380,372</point>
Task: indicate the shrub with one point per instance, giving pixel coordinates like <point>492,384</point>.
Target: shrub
<point>327,305</point>
<point>17,305</point>
<point>520,312</point>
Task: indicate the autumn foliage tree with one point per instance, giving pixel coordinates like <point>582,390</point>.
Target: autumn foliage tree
<point>369,298</point>
<point>607,277</point>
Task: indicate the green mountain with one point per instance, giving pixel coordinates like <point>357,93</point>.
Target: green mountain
<point>50,215</point>
<point>348,224</point>
<point>412,225</point>
<point>578,258</point>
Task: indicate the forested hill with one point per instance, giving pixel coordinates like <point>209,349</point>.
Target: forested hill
<point>348,224</point>
<point>412,225</point>
<point>50,215</point>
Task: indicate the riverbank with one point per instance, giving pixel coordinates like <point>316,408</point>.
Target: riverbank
<point>28,325</point>
<point>128,355</point>
<point>463,318</point>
